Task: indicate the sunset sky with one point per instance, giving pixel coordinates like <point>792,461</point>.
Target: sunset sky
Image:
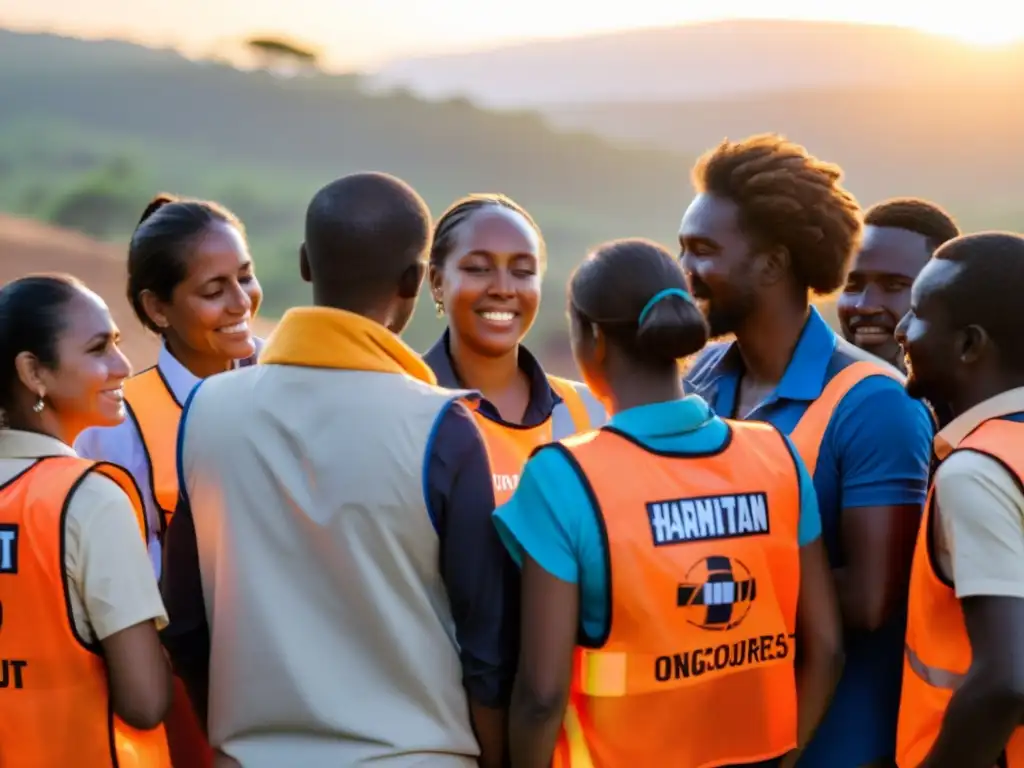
<point>365,33</point>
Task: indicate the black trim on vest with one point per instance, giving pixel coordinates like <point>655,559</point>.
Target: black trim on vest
<point>674,454</point>
<point>582,639</point>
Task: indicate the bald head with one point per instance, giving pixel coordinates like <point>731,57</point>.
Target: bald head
<point>367,238</point>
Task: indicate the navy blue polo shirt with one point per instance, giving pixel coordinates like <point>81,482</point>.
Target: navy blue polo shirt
<point>481,579</point>
<point>543,398</point>
<point>875,452</point>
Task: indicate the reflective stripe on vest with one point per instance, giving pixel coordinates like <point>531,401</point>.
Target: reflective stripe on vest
<point>704,580</point>
<point>938,649</point>
<point>508,447</point>
<point>55,702</point>
<point>157,414</point>
<point>810,430</point>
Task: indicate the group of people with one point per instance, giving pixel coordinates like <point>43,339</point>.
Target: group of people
<point>788,547</point>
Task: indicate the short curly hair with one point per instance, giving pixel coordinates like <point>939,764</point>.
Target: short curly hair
<point>788,198</point>
<point>914,215</point>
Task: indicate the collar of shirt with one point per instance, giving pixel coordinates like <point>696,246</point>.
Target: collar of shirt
<point>803,380</point>
<point>16,444</point>
<point>180,380</point>
<point>543,398</point>
<point>318,337</point>
<point>666,419</point>
<point>1003,404</point>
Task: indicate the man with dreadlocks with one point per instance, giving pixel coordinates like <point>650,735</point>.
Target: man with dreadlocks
<point>771,225</point>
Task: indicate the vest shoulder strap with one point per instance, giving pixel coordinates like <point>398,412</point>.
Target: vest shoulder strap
<point>809,431</point>
<point>585,410</point>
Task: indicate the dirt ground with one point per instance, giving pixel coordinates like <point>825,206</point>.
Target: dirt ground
<point>29,246</point>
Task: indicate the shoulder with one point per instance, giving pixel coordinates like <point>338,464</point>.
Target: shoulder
<point>455,433</point>
<point>114,444</point>
<point>706,362</point>
<point>99,501</point>
<point>878,400</point>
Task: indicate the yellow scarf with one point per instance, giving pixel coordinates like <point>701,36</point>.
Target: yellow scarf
<point>317,337</point>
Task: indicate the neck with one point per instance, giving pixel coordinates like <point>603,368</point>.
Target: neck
<point>640,388</point>
<point>982,389</point>
<point>489,375</point>
<point>767,340</point>
<point>43,424</point>
<point>200,366</point>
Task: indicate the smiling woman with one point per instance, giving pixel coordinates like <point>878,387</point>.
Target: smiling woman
<point>72,550</point>
<point>485,275</point>
<point>191,281</point>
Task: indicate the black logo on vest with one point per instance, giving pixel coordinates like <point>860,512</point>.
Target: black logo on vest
<point>717,593</point>
<point>8,548</point>
<point>708,518</point>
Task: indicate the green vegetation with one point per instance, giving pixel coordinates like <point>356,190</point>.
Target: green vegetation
<point>90,131</point>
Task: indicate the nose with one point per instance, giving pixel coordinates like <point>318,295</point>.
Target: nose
<point>869,300</point>
<point>120,365</point>
<point>240,301</point>
<point>900,333</point>
<point>503,283</point>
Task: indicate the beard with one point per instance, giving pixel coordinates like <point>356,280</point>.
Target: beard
<point>724,317</point>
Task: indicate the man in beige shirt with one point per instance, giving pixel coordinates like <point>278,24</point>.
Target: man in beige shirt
<point>111,585</point>
<point>963,695</point>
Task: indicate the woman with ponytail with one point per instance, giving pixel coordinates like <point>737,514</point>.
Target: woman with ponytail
<point>191,281</point>
<point>671,560</point>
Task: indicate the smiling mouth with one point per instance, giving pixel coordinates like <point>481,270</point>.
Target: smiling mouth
<point>241,327</point>
<point>872,334</point>
<point>115,394</point>
<point>500,318</point>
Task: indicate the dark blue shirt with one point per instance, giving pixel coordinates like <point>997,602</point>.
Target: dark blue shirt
<point>875,452</point>
<point>543,398</point>
<point>481,579</point>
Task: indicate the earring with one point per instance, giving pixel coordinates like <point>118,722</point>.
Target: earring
<point>439,307</point>
<point>40,404</point>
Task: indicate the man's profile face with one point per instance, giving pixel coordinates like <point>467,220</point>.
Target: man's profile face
<point>927,337</point>
<point>719,262</point>
<point>877,291</point>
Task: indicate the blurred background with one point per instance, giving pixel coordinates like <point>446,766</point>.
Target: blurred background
<point>590,118</point>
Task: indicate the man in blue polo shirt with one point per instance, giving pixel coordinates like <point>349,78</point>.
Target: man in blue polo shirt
<point>770,224</point>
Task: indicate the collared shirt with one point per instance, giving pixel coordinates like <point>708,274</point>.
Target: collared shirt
<point>543,398</point>
<point>980,507</point>
<point>122,445</point>
<point>478,575</point>
<point>552,519</point>
<point>111,586</point>
<point>875,452</point>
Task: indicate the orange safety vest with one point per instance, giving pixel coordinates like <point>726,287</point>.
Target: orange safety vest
<point>938,650</point>
<point>509,446</point>
<point>151,405</point>
<point>55,705</point>
<point>697,669</point>
<point>810,430</point>
<point>157,414</point>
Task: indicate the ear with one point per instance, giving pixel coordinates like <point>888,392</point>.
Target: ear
<point>435,277</point>
<point>776,261</point>
<point>154,309</point>
<point>600,344</point>
<point>411,280</point>
<point>31,373</point>
<point>973,344</point>
<point>304,270</point>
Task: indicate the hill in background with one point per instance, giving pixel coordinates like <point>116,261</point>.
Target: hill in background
<point>706,61</point>
<point>90,130</point>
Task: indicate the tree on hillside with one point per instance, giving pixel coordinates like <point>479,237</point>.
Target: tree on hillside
<point>104,203</point>
<point>283,57</point>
